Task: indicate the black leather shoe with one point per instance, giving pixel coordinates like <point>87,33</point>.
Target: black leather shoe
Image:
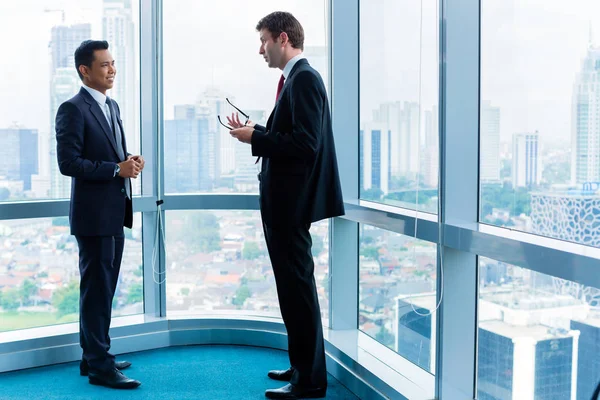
<point>113,379</point>
<point>283,375</point>
<point>290,391</point>
<point>84,368</point>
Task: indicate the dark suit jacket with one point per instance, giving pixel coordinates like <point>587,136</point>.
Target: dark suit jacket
<point>87,151</point>
<point>299,182</point>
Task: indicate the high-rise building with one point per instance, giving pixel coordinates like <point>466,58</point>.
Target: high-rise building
<point>246,168</point>
<point>430,151</point>
<point>119,30</point>
<point>212,103</point>
<point>489,136</point>
<point>526,160</point>
<point>64,84</point>
<point>403,122</point>
<point>588,368</point>
<point>375,156</point>
<point>527,349</point>
<point>585,121</point>
<point>188,143</point>
<point>572,215</point>
<point>19,155</point>
<point>415,332</point>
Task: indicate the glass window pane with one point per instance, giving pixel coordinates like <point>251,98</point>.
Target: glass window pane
<point>39,273</point>
<point>205,64</point>
<point>40,75</point>
<point>399,97</point>
<point>540,118</point>
<point>539,336</point>
<point>217,261</point>
<point>397,293</point>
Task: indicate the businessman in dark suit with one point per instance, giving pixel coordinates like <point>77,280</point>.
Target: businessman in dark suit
<point>299,184</point>
<point>91,149</point>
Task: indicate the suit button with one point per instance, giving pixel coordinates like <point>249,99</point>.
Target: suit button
<point>123,190</point>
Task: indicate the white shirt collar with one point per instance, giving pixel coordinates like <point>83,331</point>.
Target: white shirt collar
<point>290,65</point>
<point>99,97</point>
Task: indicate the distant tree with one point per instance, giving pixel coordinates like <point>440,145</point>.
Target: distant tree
<point>185,291</point>
<point>201,232</point>
<point>251,251</point>
<point>241,295</point>
<point>325,284</point>
<point>371,194</point>
<point>4,194</point>
<point>318,245</point>
<point>371,252</point>
<point>135,294</point>
<point>385,337</point>
<point>10,300</point>
<point>60,221</point>
<point>66,299</point>
<point>28,290</point>
<point>139,272</point>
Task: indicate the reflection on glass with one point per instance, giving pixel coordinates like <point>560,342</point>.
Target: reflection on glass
<point>397,277</point>
<point>217,261</point>
<point>39,273</point>
<point>399,151</point>
<point>40,75</point>
<point>540,141</point>
<point>538,335</point>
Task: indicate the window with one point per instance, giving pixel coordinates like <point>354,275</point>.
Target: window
<point>538,335</point>
<point>539,118</point>
<point>397,293</point>
<point>39,273</point>
<point>217,261</point>
<point>40,74</point>
<point>205,64</point>
<point>399,150</point>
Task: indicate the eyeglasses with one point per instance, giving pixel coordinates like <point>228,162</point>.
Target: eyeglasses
<point>238,110</point>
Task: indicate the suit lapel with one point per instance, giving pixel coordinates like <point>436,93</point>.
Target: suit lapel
<point>99,115</point>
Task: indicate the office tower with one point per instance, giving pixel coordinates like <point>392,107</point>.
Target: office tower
<point>415,334</point>
<point>119,30</point>
<point>402,119</point>
<point>246,169</point>
<point>375,156</point>
<point>212,103</point>
<point>526,160</point>
<point>489,136</point>
<point>585,120</point>
<point>187,158</point>
<point>430,151</point>
<point>19,155</point>
<point>570,215</point>
<point>64,84</point>
<point>588,364</point>
<point>527,349</point>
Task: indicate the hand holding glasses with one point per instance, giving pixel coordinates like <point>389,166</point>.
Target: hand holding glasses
<point>234,121</point>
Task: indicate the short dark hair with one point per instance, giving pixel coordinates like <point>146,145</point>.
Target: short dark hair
<point>280,21</point>
<point>84,55</point>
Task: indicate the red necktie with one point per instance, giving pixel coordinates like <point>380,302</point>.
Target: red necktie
<point>279,87</point>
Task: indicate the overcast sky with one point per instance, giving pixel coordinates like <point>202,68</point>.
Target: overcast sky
<point>531,52</point>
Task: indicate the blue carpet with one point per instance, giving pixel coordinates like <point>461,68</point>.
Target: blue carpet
<point>191,372</point>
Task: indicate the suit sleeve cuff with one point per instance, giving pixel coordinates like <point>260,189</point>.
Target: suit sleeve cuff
<point>258,143</point>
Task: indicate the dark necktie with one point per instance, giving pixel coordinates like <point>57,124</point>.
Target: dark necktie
<point>279,87</point>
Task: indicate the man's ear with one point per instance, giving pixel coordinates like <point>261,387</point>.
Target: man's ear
<point>83,70</point>
<point>284,38</point>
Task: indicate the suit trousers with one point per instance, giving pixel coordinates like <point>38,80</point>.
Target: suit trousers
<point>293,267</point>
<point>99,266</point>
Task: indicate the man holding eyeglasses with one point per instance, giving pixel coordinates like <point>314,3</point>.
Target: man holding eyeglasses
<point>299,185</point>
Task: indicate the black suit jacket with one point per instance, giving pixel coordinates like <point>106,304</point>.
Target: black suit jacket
<point>299,182</point>
<point>87,151</point>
